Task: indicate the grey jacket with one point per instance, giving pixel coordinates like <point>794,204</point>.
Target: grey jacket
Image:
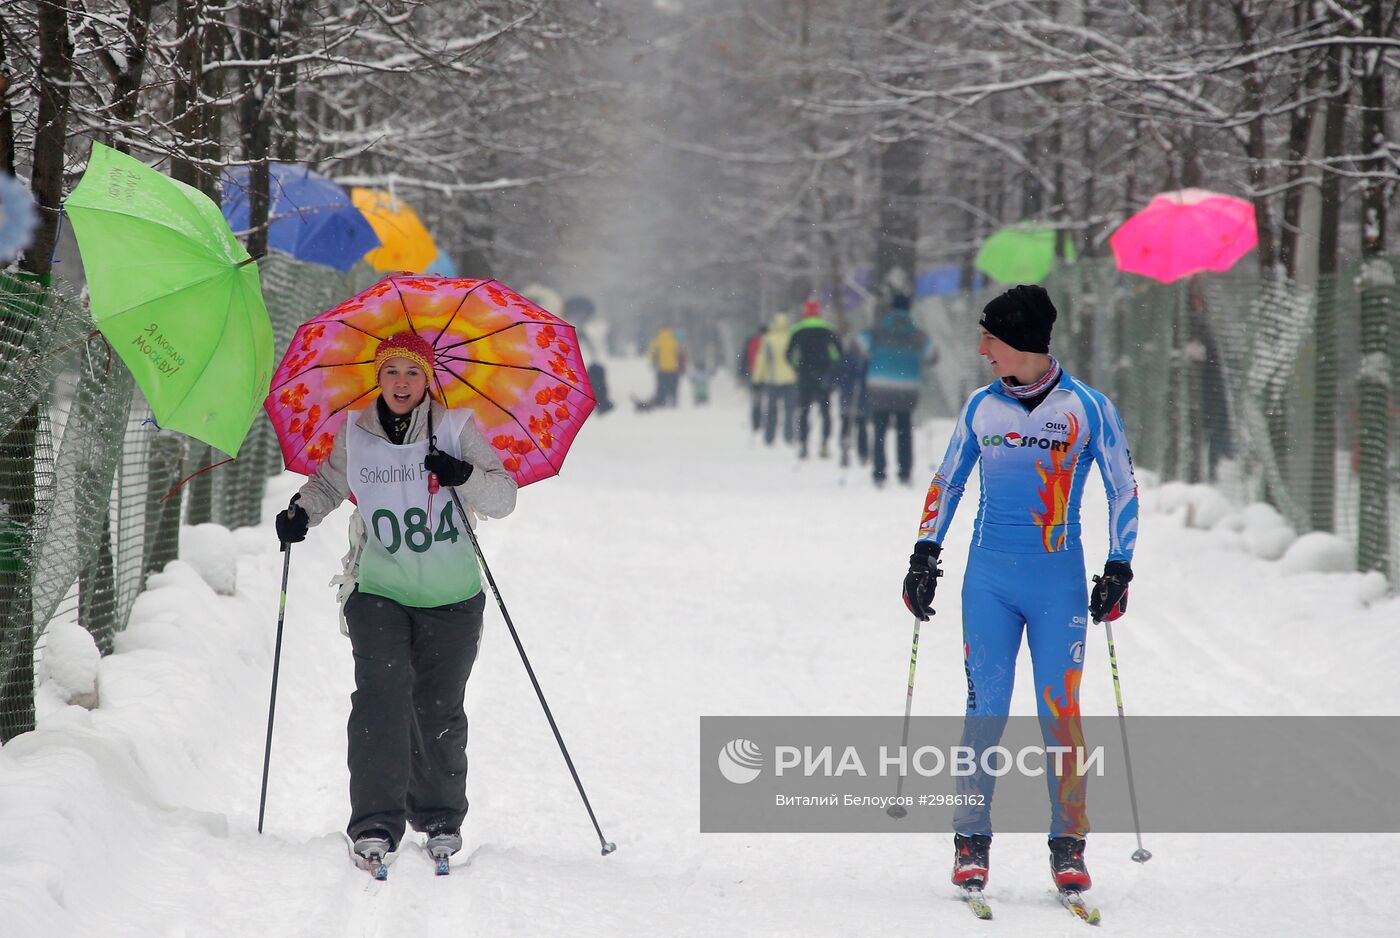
<point>489,493</point>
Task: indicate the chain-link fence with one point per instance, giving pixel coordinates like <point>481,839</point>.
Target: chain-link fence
<point>1270,391</point>
<point>87,510</point>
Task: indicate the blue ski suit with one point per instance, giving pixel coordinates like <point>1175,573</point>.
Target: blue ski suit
<point>1025,569</point>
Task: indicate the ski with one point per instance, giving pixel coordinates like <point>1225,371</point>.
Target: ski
<point>440,846</point>
<point>376,864</point>
<point>373,865</point>
<point>1072,900</point>
<point>972,895</point>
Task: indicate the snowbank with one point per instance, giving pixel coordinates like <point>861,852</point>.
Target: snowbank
<point>211,550</point>
<point>1200,505</point>
<point>1318,552</point>
<point>68,666</point>
<point>707,584</point>
<point>1256,529</point>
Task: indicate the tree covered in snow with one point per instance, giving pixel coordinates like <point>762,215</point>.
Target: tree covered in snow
<point>459,107</point>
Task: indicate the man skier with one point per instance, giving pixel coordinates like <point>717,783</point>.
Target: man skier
<point>813,352</point>
<point>1035,430</point>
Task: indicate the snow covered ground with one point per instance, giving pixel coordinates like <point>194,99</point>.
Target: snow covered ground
<point>675,570</point>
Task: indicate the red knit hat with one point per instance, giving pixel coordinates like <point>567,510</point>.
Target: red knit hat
<point>407,345</point>
<point>812,308</point>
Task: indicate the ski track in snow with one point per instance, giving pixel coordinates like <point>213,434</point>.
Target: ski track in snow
<point>676,569</point>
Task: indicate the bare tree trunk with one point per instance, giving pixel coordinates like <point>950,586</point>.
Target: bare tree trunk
<point>897,234</point>
<point>55,77</point>
<point>126,97</point>
<point>1324,457</point>
<point>287,122</point>
<point>901,184</point>
<point>1300,133</point>
<point>216,41</point>
<point>1377,282</point>
<point>7,119</point>
<point>17,449</point>
<point>1256,148</point>
<point>255,116</point>
<point>190,119</point>
<point>835,277</point>
<point>189,114</point>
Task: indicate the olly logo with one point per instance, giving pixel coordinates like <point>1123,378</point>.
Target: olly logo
<point>1056,426</point>
<point>1015,439</point>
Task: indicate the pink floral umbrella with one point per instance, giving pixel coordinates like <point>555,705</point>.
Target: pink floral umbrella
<point>1183,233</point>
<point>514,364</point>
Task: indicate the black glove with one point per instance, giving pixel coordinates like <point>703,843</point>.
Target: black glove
<point>293,523</point>
<point>1109,599</point>
<point>449,469</point>
<point>922,579</point>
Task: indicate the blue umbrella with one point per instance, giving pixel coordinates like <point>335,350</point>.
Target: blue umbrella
<point>17,217</point>
<point>442,265</point>
<point>941,281</point>
<point>314,219</point>
<point>853,293</point>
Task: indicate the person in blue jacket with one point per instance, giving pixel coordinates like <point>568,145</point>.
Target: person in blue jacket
<point>896,352</point>
<point>1033,434</point>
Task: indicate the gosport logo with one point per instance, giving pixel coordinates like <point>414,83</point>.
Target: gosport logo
<point>740,761</point>
<point>1015,439</point>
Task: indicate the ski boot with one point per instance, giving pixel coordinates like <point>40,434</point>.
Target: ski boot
<point>971,858</point>
<point>442,843</point>
<point>1067,864</point>
<point>372,849</point>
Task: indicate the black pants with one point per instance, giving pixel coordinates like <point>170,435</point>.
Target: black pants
<point>779,397</point>
<point>809,394</point>
<point>408,729</point>
<point>756,407</point>
<point>904,443</point>
<point>668,385</point>
<point>854,429</point>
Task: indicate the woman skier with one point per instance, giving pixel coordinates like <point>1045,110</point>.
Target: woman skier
<point>415,615</point>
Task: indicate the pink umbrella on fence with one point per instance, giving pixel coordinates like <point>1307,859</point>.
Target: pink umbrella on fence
<point>1183,233</point>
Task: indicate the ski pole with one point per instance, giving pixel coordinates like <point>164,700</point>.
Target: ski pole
<point>276,661</point>
<point>897,810</point>
<point>608,846</point>
<point>1140,855</point>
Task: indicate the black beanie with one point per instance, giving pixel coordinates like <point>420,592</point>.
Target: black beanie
<point>1022,318</point>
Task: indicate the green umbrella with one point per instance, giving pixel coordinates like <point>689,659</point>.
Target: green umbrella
<point>1020,255</point>
<point>176,295</point>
